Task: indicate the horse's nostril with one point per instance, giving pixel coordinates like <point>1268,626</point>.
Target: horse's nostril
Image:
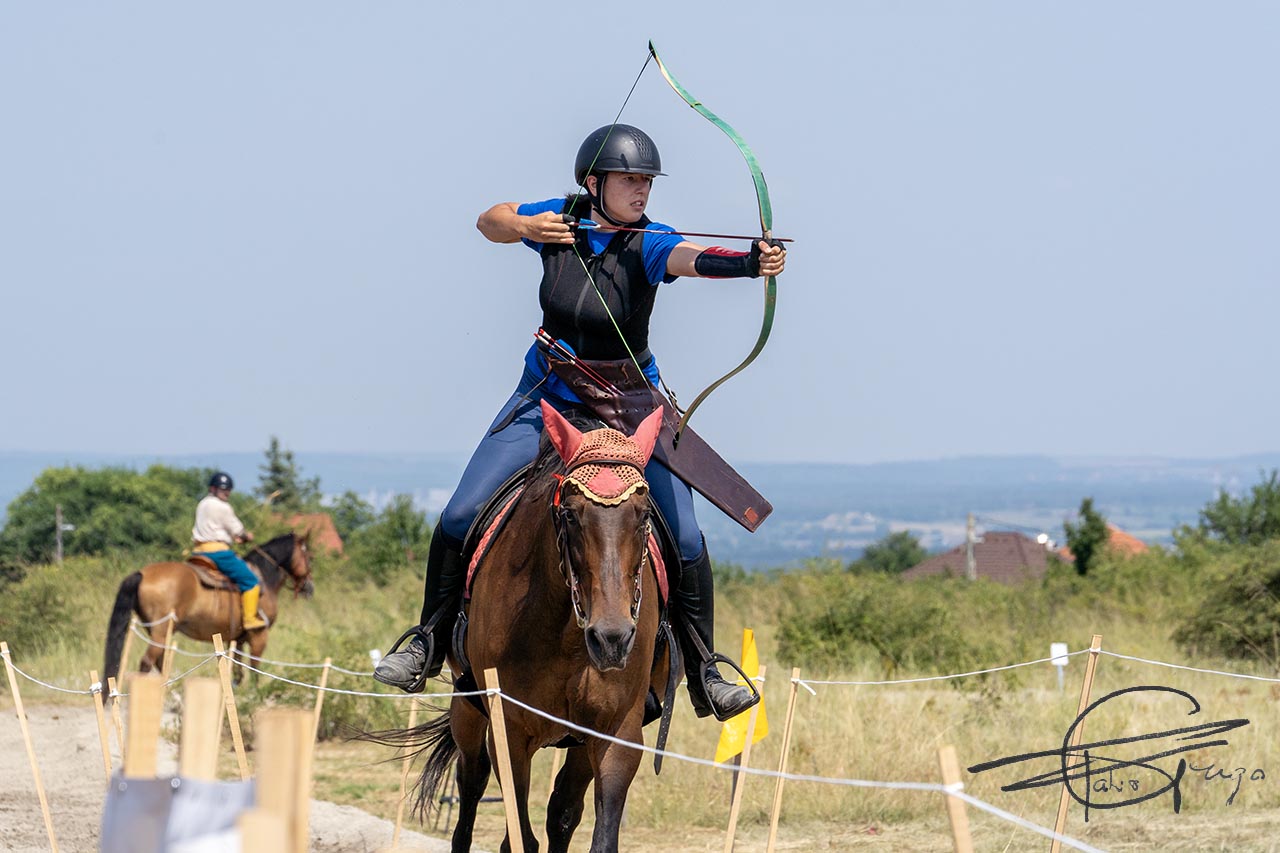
<point>609,646</point>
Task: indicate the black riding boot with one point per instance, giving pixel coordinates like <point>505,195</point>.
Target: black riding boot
<point>428,642</point>
<point>708,691</point>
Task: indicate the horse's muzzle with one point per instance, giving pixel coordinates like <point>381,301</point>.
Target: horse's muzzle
<point>609,645</point>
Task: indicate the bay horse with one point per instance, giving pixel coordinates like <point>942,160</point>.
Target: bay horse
<point>159,589</point>
<point>565,606</point>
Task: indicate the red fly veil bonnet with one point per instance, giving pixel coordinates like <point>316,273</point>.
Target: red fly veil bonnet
<point>603,464</point>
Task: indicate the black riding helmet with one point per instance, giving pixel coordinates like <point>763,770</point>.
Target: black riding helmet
<point>221,480</point>
<point>617,148</point>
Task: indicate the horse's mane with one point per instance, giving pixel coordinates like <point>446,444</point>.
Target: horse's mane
<point>270,557</point>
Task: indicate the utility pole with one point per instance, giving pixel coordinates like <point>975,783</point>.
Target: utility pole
<point>970,564</point>
<point>57,516</point>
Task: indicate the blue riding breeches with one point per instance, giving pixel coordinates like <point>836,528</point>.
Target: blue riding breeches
<point>501,454</point>
<point>232,566</point>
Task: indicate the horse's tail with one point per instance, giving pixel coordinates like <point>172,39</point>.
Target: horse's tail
<point>435,738</point>
<point>126,603</point>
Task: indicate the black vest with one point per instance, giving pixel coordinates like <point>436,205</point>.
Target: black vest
<point>572,310</point>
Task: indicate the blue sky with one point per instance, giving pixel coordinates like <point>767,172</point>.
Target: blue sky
<point>1021,227</point>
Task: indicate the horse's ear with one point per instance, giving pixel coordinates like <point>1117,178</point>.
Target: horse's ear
<point>647,433</point>
<point>565,437</point>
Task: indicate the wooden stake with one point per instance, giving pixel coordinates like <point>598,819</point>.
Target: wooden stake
<point>201,720</point>
<point>262,832</point>
<point>146,699</point>
<point>276,738</point>
<point>305,742</point>
<point>742,779</point>
<point>404,775</point>
<point>116,720</point>
<point>103,736</point>
<point>1086,688</point>
<point>31,750</point>
<point>123,666</point>
<point>166,662</point>
<point>498,725</point>
<point>229,702</point>
<point>782,762</point>
<point>959,818</point>
<point>324,683</point>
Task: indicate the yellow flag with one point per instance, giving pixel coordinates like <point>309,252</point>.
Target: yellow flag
<point>733,732</point>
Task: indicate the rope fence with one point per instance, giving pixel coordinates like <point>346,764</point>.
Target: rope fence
<point>951,789</point>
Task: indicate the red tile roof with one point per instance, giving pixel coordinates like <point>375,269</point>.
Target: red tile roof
<point>324,536</point>
<point>1007,558</point>
<point>1118,542</point>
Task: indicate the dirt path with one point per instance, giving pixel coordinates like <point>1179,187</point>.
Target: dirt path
<point>70,761</point>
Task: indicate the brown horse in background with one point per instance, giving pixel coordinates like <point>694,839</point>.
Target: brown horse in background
<point>160,589</point>
<point>565,606</point>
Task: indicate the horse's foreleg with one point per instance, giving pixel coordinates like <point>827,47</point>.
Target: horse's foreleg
<point>257,648</point>
<point>469,731</point>
<point>564,811</point>
<point>615,766</point>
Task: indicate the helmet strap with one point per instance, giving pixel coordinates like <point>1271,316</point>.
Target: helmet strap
<point>597,201</point>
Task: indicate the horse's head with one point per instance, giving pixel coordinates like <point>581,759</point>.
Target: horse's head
<point>601,508</point>
<point>299,565</point>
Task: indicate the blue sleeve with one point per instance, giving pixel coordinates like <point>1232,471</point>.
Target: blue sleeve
<point>533,208</point>
<point>657,249</point>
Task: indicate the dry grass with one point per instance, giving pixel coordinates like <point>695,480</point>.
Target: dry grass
<point>887,733</point>
<point>892,734</point>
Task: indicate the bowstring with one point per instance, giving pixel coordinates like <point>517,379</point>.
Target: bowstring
<point>582,186</point>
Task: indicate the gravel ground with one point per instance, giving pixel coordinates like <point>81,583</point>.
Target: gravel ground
<point>70,762</point>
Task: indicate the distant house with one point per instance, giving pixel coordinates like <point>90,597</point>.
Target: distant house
<point>1118,542</point>
<point>324,536</point>
<point>1008,558</point>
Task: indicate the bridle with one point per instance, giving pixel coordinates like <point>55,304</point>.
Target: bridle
<point>294,582</point>
<point>560,515</point>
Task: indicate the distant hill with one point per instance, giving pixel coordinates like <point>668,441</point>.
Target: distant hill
<point>819,510</point>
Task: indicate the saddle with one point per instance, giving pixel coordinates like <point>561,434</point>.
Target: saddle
<point>209,574</point>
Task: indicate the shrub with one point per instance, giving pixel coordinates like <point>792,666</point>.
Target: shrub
<point>935,625</point>
<point>1239,613</point>
<point>397,538</point>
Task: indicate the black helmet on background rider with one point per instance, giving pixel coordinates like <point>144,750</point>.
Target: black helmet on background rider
<point>221,480</point>
<point>617,148</point>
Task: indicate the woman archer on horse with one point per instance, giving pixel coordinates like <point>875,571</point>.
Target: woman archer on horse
<point>602,262</point>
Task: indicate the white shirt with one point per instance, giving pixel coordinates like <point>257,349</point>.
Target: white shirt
<point>216,521</point>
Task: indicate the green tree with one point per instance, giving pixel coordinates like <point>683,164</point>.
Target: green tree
<point>1247,520</point>
<point>280,482</point>
<point>351,513</point>
<point>891,555</point>
<point>1088,537</point>
<point>397,538</point>
<point>110,508</point>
